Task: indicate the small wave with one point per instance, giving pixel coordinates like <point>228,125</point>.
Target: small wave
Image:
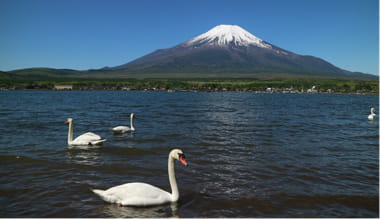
<point>150,140</point>
<point>369,205</point>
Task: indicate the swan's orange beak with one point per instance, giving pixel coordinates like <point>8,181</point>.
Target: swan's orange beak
<point>183,161</point>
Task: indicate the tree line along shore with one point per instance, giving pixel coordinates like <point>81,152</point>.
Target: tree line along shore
<point>238,85</point>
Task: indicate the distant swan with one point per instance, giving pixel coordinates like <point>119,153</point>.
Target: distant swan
<point>88,138</point>
<point>124,129</point>
<point>142,194</point>
<point>372,115</point>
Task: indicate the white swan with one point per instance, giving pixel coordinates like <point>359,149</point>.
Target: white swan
<point>88,138</point>
<point>124,129</point>
<point>372,115</point>
<point>142,194</point>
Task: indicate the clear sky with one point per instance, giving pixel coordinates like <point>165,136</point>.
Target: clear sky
<point>91,34</point>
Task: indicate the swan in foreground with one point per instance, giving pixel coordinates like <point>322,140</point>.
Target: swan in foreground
<point>372,115</point>
<point>142,194</point>
<point>88,138</point>
<point>124,129</point>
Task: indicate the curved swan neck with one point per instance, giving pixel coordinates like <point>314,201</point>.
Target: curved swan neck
<point>132,128</point>
<point>70,134</point>
<point>172,180</point>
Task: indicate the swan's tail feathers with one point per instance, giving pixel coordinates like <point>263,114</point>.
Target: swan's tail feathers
<point>98,192</point>
<point>103,195</point>
<point>98,142</point>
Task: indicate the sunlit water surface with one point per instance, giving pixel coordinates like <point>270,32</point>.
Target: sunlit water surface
<point>249,155</point>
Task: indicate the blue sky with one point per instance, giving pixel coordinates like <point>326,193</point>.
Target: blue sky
<point>91,34</point>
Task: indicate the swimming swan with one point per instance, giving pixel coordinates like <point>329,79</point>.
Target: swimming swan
<point>124,129</point>
<point>142,194</point>
<point>88,138</point>
<point>372,115</point>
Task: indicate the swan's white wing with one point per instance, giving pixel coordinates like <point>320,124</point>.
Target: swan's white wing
<point>87,138</point>
<point>121,129</point>
<point>135,194</point>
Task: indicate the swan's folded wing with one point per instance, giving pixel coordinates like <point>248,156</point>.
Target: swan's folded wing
<point>86,138</point>
<point>121,129</point>
<point>136,194</point>
<point>98,142</point>
<point>91,136</point>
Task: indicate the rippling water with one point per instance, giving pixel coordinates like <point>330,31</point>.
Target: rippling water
<point>250,155</point>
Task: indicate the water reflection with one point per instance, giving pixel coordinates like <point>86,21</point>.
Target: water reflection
<point>126,134</point>
<point>87,155</point>
<point>116,211</point>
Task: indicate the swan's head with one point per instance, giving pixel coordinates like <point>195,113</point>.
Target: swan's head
<point>132,115</point>
<point>178,155</point>
<point>69,120</point>
<point>372,110</point>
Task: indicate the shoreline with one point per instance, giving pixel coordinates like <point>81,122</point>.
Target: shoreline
<point>275,85</point>
<point>201,91</point>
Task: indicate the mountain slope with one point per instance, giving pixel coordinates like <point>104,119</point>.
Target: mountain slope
<point>223,51</point>
<point>230,48</point>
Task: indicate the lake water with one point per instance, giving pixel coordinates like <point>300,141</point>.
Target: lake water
<point>249,155</point>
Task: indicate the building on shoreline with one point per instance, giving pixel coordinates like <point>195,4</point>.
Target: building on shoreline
<point>63,87</point>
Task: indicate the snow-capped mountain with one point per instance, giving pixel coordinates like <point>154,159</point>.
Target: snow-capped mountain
<point>231,49</point>
<point>225,35</point>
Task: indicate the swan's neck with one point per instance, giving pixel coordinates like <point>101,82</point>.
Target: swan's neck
<point>132,127</point>
<point>172,180</point>
<point>373,112</point>
<point>70,134</point>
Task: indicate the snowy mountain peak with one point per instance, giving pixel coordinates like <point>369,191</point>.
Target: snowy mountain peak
<point>224,35</point>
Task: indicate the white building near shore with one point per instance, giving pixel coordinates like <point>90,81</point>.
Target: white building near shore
<point>63,87</point>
